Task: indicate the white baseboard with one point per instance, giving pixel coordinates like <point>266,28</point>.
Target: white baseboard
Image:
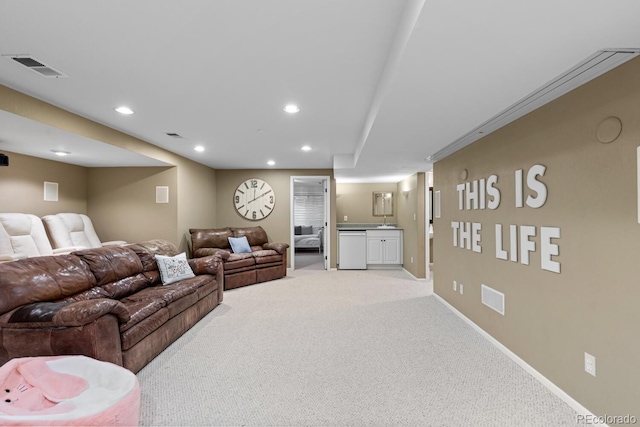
<point>429,282</point>
<point>581,410</point>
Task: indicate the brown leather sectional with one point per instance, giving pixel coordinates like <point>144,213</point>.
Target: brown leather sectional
<point>107,303</point>
<point>267,261</point>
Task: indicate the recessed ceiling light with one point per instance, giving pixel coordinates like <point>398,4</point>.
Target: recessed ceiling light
<point>271,163</point>
<point>124,110</point>
<point>291,108</point>
<point>306,148</point>
<point>199,148</point>
<point>60,153</point>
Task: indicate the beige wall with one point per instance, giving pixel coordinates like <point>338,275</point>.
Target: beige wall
<point>593,304</point>
<point>196,198</point>
<point>356,202</point>
<point>22,186</point>
<point>410,199</point>
<point>278,224</point>
<point>122,203</point>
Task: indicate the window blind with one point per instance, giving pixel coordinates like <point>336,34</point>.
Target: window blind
<point>308,209</point>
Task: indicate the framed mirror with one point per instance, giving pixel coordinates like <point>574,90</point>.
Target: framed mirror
<point>382,203</point>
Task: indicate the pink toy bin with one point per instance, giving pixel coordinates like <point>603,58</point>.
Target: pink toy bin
<point>67,391</point>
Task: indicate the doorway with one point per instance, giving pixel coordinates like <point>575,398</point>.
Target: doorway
<point>309,222</point>
<point>430,208</point>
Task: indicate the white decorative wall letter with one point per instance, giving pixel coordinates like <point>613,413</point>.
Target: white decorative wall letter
<point>537,186</point>
<point>500,253</point>
<point>460,188</point>
<point>493,192</point>
<point>526,245</point>
<point>472,194</point>
<point>476,227</point>
<point>455,225</point>
<point>519,203</point>
<point>547,249</point>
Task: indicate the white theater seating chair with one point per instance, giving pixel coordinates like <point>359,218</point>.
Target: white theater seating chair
<point>73,229</point>
<point>23,235</point>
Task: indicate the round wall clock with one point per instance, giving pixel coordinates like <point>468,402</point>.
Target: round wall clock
<point>254,199</point>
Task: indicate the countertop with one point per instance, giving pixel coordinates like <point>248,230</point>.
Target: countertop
<point>364,227</point>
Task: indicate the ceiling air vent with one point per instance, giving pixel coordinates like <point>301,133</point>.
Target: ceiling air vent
<point>173,135</point>
<point>38,67</point>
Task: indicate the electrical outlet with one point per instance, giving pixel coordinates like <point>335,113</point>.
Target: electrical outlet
<point>590,364</point>
<point>461,289</point>
<point>455,286</point>
<point>346,218</point>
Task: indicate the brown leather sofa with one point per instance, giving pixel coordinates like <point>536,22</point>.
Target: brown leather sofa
<point>267,261</point>
<point>107,303</point>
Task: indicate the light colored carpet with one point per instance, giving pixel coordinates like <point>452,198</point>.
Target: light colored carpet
<point>340,348</point>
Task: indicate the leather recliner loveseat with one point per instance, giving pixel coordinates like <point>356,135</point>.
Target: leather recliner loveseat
<point>266,261</point>
<point>108,303</point>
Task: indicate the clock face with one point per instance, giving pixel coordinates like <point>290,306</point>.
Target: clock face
<point>254,199</point>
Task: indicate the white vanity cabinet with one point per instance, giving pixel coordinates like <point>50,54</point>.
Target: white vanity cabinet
<point>384,247</point>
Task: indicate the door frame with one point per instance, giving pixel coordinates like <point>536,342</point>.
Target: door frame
<point>327,217</point>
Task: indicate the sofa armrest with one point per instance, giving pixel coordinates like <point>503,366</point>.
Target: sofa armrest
<point>68,250</point>
<point>12,257</point>
<point>205,252</point>
<point>114,242</point>
<point>278,247</point>
<point>65,314</point>
<point>205,265</point>
<point>210,265</point>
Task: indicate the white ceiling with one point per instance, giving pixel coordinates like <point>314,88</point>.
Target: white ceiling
<point>382,84</point>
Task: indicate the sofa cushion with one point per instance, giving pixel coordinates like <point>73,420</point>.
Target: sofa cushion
<point>169,293</point>
<point>203,252</point>
<point>236,261</point>
<point>111,263</point>
<point>139,310</point>
<point>267,256</point>
<point>89,294</point>
<point>38,279</point>
<point>68,314</point>
<point>173,269</point>
<point>146,251</point>
<point>210,238</point>
<point>127,286</point>
<point>255,235</point>
<point>240,245</point>
<point>145,327</point>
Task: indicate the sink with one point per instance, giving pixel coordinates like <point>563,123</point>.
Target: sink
<point>386,226</point>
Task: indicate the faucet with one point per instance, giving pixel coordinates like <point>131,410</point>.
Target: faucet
<point>385,220</point>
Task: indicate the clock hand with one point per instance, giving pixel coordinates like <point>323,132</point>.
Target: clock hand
<point>256,198</point>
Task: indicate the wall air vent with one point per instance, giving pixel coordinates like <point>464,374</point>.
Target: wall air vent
<point>594,66</point>
<point>492,299</point>
<point>38,66</point>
